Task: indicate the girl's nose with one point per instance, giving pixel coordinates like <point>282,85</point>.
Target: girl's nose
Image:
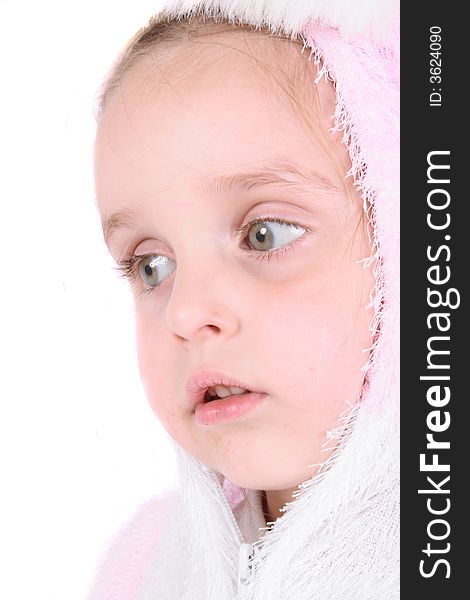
<point>202,304</point>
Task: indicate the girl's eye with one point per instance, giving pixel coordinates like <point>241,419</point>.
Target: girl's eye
<point>269,234</point>
<point>151,269</point>
<point>154,268</point>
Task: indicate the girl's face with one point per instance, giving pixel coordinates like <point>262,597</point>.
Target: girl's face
<point>193,161</point>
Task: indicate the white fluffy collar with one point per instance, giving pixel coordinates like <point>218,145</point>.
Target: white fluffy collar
<point>372,18</point>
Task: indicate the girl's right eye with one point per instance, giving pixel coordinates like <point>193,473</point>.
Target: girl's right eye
<point>152,269</point>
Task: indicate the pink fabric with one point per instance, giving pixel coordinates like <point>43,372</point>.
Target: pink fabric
<point>234,494</point>
<point>121,569</point>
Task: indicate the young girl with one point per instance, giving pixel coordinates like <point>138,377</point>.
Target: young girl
<point>248,190</point>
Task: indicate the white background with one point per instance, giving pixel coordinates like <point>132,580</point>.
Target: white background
<point>79,446</point>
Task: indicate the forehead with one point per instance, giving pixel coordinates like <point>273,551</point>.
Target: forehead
<point>174,122</point>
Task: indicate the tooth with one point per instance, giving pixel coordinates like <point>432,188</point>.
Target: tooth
<point>222,391</point>
<point>237,390</point>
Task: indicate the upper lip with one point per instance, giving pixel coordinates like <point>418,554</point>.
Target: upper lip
<point>199,382</point>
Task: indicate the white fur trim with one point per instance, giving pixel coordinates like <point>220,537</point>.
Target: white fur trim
<point>374,18</point>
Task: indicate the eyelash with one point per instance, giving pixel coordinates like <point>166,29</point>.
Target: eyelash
<point>127,267</point>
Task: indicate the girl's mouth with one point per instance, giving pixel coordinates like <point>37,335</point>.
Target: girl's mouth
<point>216,410</point>
<point>216,392</point>
<point>215,397</point>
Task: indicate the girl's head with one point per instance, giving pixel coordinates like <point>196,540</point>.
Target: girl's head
<point>214,159</point>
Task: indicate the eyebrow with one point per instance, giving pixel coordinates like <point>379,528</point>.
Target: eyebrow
<point>277,172</point>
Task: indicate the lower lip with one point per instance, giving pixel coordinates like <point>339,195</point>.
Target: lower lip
<point>227,409</point>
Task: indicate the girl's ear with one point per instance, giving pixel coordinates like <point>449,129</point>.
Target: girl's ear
<point>372,17</point>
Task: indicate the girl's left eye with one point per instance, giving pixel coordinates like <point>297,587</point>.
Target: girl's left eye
<point>267,235</point>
